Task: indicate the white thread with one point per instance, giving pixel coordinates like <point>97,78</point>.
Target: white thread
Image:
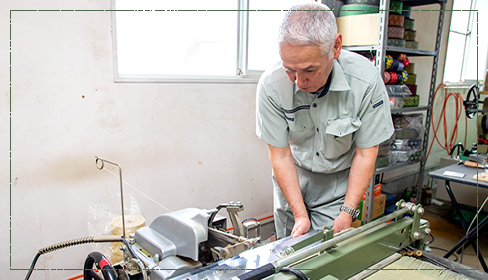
<point>134,188</point>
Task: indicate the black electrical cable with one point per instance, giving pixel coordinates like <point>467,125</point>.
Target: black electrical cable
<point>32,266</point>
<point>444,250</point>
<point>299,274</point>
<point>101,263</point>
<point>78,241</point>
<point>432,241</point>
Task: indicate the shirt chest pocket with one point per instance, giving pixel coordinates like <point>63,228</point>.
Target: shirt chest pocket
<point>339,136</point>
<point>299,124</point>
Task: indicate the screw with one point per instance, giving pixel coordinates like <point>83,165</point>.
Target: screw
<point>427,231</point>
<point>416,235</point>
<point>156,258</point>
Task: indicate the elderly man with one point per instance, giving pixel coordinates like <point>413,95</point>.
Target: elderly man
<point>323,112</point>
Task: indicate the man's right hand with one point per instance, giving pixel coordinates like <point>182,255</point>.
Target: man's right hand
<point>302,225</point>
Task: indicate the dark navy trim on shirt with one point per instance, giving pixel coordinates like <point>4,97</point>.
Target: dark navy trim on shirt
<point>303,107</point>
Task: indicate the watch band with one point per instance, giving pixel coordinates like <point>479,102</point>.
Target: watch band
<point>353,212</point>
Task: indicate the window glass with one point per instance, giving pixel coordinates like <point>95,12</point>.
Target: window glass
<point>263,31</point>
<point>182,42</point>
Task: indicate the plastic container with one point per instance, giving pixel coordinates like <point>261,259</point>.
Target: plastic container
<point>407,133</point>
<point>407,121</point>
<point>406,156</point>
<point>406,144</point>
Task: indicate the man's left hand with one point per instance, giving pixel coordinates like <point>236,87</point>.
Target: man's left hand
<point>342,222</point>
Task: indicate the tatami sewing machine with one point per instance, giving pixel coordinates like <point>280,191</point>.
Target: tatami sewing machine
<point>192,244</point>
<point>187,244</point>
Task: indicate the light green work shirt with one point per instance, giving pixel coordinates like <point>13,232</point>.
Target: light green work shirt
<point>323,131</point>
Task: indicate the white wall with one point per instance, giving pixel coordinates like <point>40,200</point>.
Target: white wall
<point>184,145</point>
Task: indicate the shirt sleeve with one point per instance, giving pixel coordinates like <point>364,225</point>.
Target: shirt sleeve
<point>375,116</point>
<point>271,125</point>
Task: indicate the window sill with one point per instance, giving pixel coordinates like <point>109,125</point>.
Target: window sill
<point>247,79</point>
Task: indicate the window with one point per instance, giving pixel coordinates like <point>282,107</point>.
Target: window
<point>194,40</point>
<point>467,48</point>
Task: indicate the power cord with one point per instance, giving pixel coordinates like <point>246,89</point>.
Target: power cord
<point>448,145</point>
<point>299,274</point>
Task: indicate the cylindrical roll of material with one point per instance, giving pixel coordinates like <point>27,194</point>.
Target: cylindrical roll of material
<point>406,11</point>
<point>363,2</point>
<point>393,78</point>
<point>400,66</point>
<point>396,20</point>
<point>409,35</point>
<point>412,79</point>
<point>404,77</point>
<point>388,61</point>
<point>409,23</point>
<point>394,65</point>
<point>412,44</point>
<point>132,223</point>
<point>356,9</point>
<point>386,77</point>
<point>396,7</point>
<point>406,62</point>
<point>396,42</point>
<point>410,68</point>
<point>334,5</point>
<point>397,66</point>
<point>413,89</point>
<point>395,32</point>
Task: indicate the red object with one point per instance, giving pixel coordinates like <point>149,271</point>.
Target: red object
<point>406,62</point>
<point>103,263</point>
<point>402,57</point>
<point>394,77</point>
<point>413,89</point>
<point>387,77</point>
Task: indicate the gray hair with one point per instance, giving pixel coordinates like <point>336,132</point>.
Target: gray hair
<point>309,24</point>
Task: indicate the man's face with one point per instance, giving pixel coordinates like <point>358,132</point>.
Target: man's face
<point>306,66</point>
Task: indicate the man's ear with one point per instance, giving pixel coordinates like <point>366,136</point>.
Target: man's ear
<point>337,45</point>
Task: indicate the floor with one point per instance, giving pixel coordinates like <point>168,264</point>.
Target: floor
<point>447,231</point>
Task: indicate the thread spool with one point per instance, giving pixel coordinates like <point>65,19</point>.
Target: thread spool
<point>132,223</point>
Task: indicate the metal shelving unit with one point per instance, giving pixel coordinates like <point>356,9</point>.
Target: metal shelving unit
<point>380,49</point>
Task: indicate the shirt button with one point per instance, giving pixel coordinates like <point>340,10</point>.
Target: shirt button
<point>315,105</point>
<point>317,153</point>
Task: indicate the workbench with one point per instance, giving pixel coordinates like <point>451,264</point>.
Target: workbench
<point>459,173</point>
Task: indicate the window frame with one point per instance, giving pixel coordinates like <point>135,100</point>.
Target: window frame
<point>469,36</point>
<point>242,75</point>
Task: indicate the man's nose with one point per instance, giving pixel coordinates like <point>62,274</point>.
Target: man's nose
<point>299,80</point>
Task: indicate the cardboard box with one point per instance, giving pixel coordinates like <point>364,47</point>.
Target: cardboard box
<point>377,191</point>
<point>359,30</point>
<point>378,207</point>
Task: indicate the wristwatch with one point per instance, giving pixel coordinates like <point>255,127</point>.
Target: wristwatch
<point>353,212</point>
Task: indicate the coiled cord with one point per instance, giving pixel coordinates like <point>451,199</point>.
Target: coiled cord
<point>66,244</point>
<point>73,242</point>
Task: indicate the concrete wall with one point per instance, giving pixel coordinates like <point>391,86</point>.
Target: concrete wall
<point>183,145</point>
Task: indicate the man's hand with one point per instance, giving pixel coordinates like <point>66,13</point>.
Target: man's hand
<point>342,222</point>
<point>302,225</point>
